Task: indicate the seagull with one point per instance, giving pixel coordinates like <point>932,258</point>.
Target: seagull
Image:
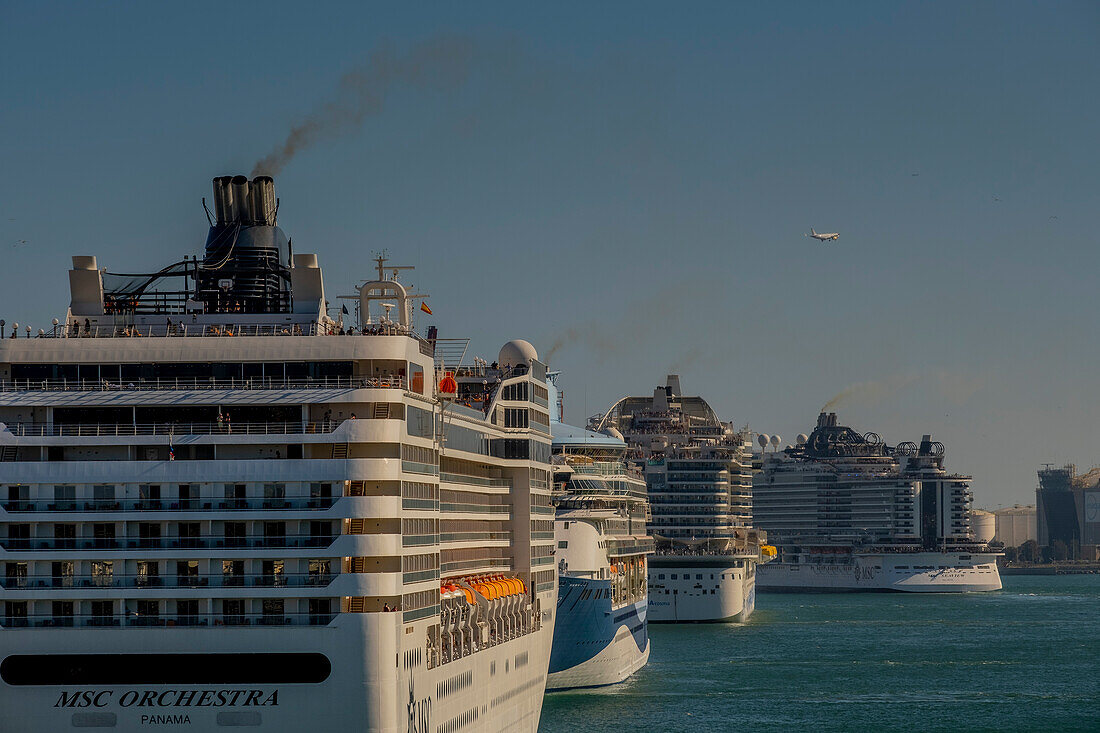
<point>914,174</point>
<point>19,243</point>
<point>1052,217</point>
<point>996,199</point>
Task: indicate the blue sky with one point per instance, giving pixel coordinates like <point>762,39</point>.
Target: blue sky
<point>631,181</point>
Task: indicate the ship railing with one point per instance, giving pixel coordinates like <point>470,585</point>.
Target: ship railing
<point>201,542</point>
<point>77,430</point>
<point>206,580</point>
<point>171,384</point>
<point>179,620</point>
<point>206,504</point>
<point>182,329</point>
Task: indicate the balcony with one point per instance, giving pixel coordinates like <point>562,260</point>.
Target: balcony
<point>208,580</point>
<point>206,504</point>
<point>205,542</point>
<point>178,429</point>
<point>184,620</point>
<point>176,384</point>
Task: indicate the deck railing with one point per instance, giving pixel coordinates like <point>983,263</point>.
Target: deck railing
<point>76,430</point>
<point>216,580</point>
<point>205,504</point>
<point>199,383</point>
<point>179,620</point>
<point>202,542</point>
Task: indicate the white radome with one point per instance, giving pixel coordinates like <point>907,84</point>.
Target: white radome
<point>516,352</point>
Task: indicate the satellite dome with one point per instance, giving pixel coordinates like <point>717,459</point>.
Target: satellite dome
<point>613,432</point>
<point>763,439</point>
<point>516,352</point>
<point>776,440</point>
<point>802,438</point>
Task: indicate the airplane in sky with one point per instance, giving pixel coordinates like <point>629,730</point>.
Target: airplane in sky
<point>822,237</point>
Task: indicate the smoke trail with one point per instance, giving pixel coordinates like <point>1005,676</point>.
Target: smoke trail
<point>644,317</point>
<point>438,64</point>
<point>948,386</point>
<point>870,392</point>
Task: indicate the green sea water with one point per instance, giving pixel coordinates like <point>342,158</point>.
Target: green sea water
<point>1024,658</point>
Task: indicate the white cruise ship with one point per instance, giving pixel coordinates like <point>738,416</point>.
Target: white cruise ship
<point>224,509</point>
<point>601,636</point>
<point>849,513</point>
<point>700,493</point>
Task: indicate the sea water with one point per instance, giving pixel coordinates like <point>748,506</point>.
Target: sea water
<point>1024,658</point>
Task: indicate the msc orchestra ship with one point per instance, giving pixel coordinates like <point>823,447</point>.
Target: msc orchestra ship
<point>699,482</point>
<point>850,513</point>
<point>600,632</point>
<point>224,509</point>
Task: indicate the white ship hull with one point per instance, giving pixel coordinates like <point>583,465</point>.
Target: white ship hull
<point>923,572</point>
<point>375,683</point>
<point>595,645</point>
<point>701,589</point>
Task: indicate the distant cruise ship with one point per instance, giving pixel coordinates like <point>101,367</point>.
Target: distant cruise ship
<point>224,509</point>
<point>700,492</point>
<point>600,633</point>
<point>850,513</point>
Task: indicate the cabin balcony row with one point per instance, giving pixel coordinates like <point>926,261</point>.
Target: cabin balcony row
<point>181,613</point>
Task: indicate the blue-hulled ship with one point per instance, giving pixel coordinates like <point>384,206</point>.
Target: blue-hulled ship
<point>601,635</point>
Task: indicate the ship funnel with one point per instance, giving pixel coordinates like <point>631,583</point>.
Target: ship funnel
<point>826,420</point>
<point>243,267</point>
<point>241,198</point>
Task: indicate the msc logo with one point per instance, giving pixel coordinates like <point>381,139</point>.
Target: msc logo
<point>420,712</point>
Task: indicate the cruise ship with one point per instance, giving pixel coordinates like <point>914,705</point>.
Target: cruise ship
<point>223,508</point>
<point>600,632</point>
<point>850,513</point>
<point>699,479</point>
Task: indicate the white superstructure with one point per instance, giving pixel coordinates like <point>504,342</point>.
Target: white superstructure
<point>700,492</point>
<point>223,508</point>
<point>848,512</point>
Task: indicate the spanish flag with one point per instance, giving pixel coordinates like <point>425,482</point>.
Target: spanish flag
<point>424,307</point>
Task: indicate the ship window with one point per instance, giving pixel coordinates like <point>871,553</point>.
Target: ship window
<point>320,490</point>
<point>187,612</point>
<point>64,494</point>
<point>62,573</point>
<point>232,572</point>
<point>699,576</point>
<point>15,575</point>
<point>674,577</point>
<point>319,569</point>
<point>234,534</point>
<point>272,610</point>
<point>661,576</point>
<point>273,573</point>
<point>15,613</point>
<point>563,544</point>
<point>274,530</point>
<point>319,611</point>
<point>274,491</point>
<point>148,573</point>
<point>148,608</point>
<point>104,492</point>
<point>63,612</point>
<point>103,572</point>
<point>233,612</point>
<point>420,423</point>
<point>103,609</point>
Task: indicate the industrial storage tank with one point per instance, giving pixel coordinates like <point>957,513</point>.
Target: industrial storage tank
<point>984,525</point>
